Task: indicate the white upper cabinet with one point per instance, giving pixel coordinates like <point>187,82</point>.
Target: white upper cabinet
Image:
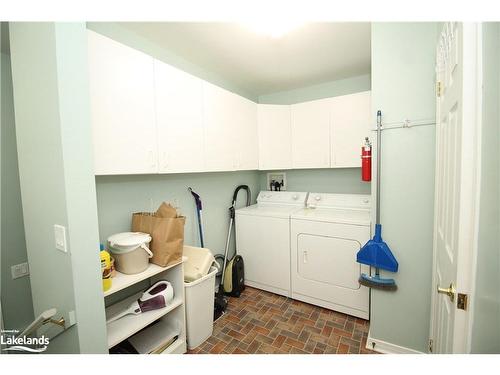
<point>179,116</point>
<point>349,127</point>
<point>275,136</point>
<point>122,108</point>
<point>219,125</point>
<point>244,118</point>
<point>149,117</point>
<point>311,134</point>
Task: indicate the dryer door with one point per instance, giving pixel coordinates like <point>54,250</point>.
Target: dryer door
<point>324,269</point>
<point>329,260</point>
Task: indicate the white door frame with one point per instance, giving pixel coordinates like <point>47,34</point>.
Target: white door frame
<point>469,183</point>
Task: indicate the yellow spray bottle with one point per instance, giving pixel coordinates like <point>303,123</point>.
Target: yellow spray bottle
<point>105,269</point>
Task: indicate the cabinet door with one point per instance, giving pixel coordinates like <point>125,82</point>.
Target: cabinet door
<point>244,118</point>
<point>350,126</point>
<point>275,137</point>
<point>311,134</point>
<point>219,128</point>
<point>179,119</point>
<point>122,108</point>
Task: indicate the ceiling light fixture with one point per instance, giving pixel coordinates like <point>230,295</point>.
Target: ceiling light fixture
<point>274,29</point>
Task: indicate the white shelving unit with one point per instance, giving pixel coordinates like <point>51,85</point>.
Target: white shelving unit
<point>122,280</point>
<point>174,312</point>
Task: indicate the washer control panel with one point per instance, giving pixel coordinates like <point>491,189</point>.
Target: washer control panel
<point>282,197</point>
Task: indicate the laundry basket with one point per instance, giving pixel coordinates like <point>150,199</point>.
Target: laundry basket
<point>199,296</point>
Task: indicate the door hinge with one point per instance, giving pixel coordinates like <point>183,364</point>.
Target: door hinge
<point>462,301</point>
<point>430,345</point>
<point>438,89</point>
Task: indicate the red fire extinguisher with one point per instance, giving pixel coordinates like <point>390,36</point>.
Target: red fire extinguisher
<point>366,161</point>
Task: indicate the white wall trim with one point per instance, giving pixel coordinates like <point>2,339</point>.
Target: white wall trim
<point>387,347</point>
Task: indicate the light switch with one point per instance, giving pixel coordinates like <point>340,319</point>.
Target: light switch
<point>19,270</point>
<point>60,238</point>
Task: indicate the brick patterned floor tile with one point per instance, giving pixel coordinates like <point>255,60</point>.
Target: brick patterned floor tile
<point>295,343</point>
<point>266,323</point>
<point>342,349</point>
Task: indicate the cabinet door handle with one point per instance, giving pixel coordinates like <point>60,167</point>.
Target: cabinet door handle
<point>165,160</point>
<point>152,159</point>
<point>304,256</point>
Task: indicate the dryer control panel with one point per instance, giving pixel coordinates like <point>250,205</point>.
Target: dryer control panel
<point>353,201</point>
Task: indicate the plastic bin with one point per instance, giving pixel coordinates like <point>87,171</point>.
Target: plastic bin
<point>199,296</point>
<point>198,264</point>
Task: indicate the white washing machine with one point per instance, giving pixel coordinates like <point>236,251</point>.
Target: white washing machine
<point>263,239</point>
<point>325,238</point>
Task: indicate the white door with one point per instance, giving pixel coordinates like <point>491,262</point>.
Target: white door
<point>179,105</point>
<point>244,124</point>
<point>275,150</point>
<point>311,134</point>
<point>219,128</point>
<point>122,108</point>
<point>455,194</point>
<point>350,125</point>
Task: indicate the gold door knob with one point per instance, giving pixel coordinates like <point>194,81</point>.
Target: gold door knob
<point>450,291</point>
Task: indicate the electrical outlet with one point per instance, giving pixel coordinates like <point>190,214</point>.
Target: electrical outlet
<point>19,270</point>
<point>276,178</point>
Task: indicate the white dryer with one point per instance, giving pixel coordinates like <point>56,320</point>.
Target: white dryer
<point>325,237</point>
<point>263,239</point>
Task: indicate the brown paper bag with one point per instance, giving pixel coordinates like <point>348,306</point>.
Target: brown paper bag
<point>167,234</point>
<point>166,210</point>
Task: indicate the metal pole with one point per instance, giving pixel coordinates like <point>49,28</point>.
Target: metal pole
<point>226,250</point>
<point>379,147</point>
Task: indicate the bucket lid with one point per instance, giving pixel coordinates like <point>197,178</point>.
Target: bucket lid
<point>128,240</point>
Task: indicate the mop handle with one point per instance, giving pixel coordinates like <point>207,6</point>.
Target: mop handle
<point>379,148</point>
<point>200,227</point>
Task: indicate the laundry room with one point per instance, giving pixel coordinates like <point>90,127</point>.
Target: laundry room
<point>302,187</point>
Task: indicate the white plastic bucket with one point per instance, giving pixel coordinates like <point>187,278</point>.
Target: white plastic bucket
<point>130,251</point>
<point>199,296</point>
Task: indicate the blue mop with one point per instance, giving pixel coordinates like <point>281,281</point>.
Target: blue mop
<point>376,253</point>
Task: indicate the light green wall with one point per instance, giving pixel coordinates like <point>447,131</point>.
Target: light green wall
<point>119,196</point>
<point>56,177</point>
<point>403,87</point>
<point>486,309</point>
<point>16,294</point>
<point>341,181</point>
<point>119,33</point>
<point>324,90</point>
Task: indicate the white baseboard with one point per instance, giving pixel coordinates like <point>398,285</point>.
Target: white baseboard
<point>388,348</point>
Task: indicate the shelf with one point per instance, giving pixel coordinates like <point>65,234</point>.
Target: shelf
<point>125,327</point>
<point>122,281</point>
<point>156,336</point>
<point>177,347</point>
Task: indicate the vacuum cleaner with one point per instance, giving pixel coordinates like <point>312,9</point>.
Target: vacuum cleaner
<point>376,253</point>
<point>233,272</point>
<point>155,297</point>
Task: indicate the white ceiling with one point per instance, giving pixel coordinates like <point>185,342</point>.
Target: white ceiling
<point>311,54</point>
